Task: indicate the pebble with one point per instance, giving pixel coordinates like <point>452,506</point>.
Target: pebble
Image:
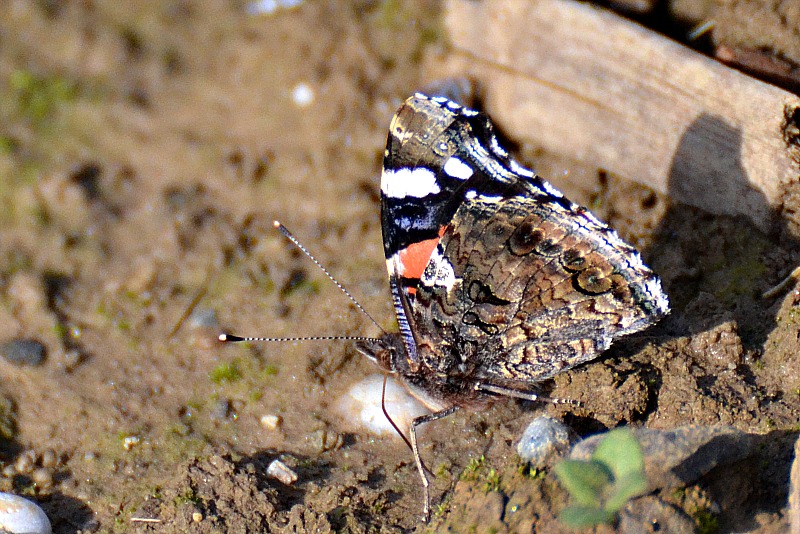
<point>361,406</point>
<point>644,513</point>
<point>325,440</point>
<point>302,95</point>
<point>222,410</point>
<point>269,7</point>
<point>18,516</point>
<point>271,422</point>
<point>280,471</point>
<point>49,458</point>
<point>42,477</point>
<point>204,318</point>
<point>544,440</point>
<point>25,462</point>
<point>129,442</point>
<point>23,352</point>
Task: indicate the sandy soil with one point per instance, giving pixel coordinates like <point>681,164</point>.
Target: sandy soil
<point>145,151</point>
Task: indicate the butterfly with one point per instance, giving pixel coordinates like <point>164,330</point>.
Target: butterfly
<point>498,281</point>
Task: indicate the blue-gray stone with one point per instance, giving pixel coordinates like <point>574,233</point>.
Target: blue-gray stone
<point>545,440</point>
<point>23,352</point>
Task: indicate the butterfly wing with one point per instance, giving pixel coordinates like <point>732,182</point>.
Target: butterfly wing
<point>497,278</point>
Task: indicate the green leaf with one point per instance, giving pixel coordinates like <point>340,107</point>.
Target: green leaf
<point>621,453</point>
<point>585,481</point>
<point>624,489</point>
<point>584,516</point>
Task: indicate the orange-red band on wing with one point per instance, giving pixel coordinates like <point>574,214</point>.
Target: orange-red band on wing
<point>415,257</point>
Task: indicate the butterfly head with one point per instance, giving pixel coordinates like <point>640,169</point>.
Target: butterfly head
<point>388,351</point>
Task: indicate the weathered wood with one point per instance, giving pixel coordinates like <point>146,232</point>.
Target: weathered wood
<point>585,83</point>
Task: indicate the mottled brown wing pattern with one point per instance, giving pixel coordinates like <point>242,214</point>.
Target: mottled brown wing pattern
<point>536,288</point>
<point>498,280</point>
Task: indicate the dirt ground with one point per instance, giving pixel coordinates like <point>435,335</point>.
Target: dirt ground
<point>145,149</point>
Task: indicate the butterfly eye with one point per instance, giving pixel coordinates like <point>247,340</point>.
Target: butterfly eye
<point>593,281</point>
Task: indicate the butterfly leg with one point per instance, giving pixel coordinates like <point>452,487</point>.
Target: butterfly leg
<point>418,460</point>
<point>525,395</point>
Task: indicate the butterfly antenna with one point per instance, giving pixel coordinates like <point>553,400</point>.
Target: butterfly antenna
<point>230,338</point>
<point>285,231</point>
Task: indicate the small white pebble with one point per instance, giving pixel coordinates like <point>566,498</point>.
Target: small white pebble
<point>271,422</point>
<point>197,517</point>
<point>25,462</point>
<point>129,442</point>
<point>268,7</point>
<point>282,472</point>
<point>18,515</point>
<point>302,95</point>
<point>49,458</point>
<point>42,477</point>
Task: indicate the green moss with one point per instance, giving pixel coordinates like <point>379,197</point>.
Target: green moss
<point>38,98</point>
<point>474,466</point>
<point>442,471</point>
<point>742,268</point>
<point>524,469</point>
<point>492,481</point>
<point>188,497</point>
<point>706,521</point>
<point>226,372</point>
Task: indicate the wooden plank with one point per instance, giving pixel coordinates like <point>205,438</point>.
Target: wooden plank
<point>585,83</point>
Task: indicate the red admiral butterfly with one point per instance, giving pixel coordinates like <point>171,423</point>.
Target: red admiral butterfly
<point>498,281</point>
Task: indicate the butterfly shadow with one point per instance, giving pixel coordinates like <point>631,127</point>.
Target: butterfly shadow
<point>716,267</point>
<point>711,261</point>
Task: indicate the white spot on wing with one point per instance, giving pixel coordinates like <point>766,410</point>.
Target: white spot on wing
<point>457,169</point>
<point>634,260</point>
<point>522,171</point>
<point>405,182</point>
<point>552,191</point>
<point>443,276</point>
<point>496,148</point>
<point>653,287</point>
<point>394,265</point>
